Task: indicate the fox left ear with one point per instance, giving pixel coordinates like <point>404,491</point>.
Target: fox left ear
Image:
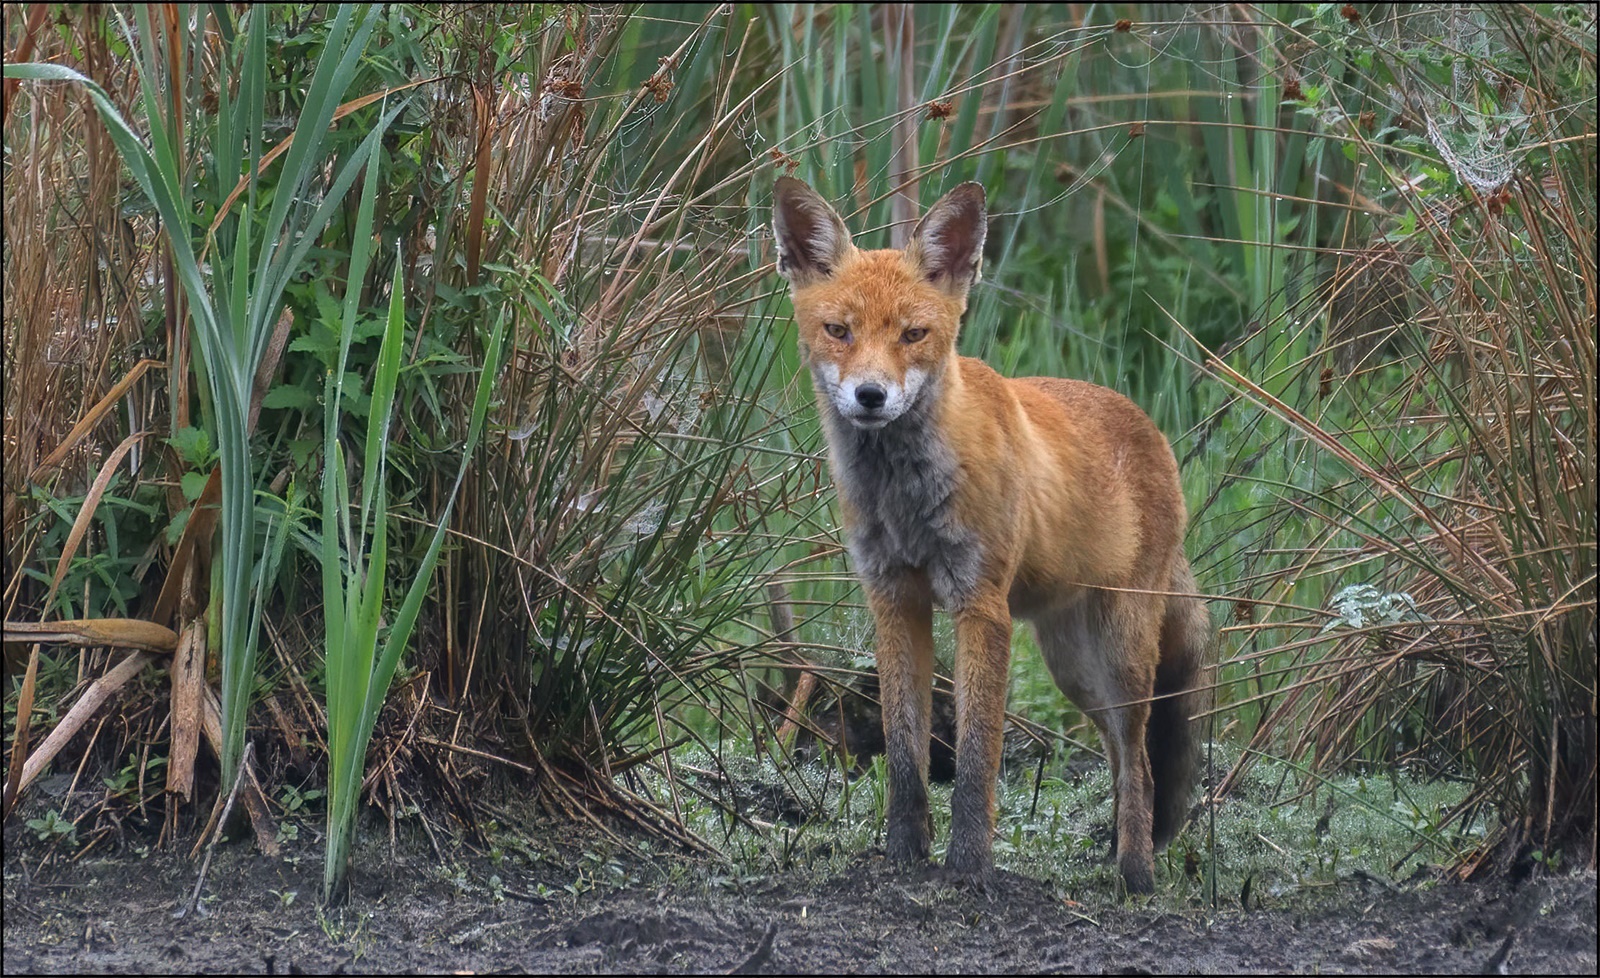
<point>947,245</point>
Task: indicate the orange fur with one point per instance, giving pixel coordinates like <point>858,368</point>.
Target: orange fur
<point>1052,500</point>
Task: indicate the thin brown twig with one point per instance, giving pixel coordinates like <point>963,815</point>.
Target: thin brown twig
<point>193,903</point>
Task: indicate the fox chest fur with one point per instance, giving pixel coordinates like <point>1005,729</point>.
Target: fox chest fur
<point>899,485</point>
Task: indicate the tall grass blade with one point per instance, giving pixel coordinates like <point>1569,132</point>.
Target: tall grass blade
<point>361,656</point>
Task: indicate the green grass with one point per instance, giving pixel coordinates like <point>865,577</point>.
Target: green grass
<point>1386,824</point>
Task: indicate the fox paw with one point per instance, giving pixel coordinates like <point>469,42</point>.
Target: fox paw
<point>979,880</point>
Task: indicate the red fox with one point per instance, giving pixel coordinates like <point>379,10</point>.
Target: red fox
<point>1053,500</point>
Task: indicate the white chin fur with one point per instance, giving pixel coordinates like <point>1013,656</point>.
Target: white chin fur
<point>841,392</point>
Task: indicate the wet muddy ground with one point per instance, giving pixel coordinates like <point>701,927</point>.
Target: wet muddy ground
<point>114,912</point>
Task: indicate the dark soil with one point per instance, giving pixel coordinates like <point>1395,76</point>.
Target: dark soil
<point>115,913</point>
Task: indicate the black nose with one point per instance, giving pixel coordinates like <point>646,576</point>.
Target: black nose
<point>871,396</point>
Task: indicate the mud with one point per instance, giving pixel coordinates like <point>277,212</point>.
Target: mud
<point>566,909</point>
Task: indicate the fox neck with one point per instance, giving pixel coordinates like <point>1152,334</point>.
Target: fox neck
<point>898,484</point>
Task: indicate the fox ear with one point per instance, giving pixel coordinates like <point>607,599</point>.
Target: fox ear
<point>947,245</point>
<point>812,239</point>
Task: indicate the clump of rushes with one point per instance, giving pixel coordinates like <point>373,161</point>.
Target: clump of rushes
<point>1448,481</point>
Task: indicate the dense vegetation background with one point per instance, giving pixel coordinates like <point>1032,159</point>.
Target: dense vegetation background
<point>1343,254</point>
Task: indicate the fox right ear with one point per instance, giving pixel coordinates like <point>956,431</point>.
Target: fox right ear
<point>811,238</point>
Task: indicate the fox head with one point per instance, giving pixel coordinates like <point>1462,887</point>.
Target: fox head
<point>877,328</point>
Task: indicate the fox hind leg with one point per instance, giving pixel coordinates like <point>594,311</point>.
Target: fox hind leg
<point>1134,795</point>
<point>1102,652</point>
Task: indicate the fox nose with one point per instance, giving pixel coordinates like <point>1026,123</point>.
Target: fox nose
<point>871,396</point>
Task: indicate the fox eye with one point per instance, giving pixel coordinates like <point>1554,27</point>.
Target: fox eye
<point>837,331</point>
<point>914,335</point>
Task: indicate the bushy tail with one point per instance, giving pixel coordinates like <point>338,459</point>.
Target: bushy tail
<point>1171,737</point>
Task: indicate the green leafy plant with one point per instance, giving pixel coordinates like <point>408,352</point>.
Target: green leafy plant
<point>51,827</point>
<point>294,799</point>
<point>234,282</point>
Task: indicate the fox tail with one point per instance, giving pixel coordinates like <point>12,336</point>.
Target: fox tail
<point>1171,737</point>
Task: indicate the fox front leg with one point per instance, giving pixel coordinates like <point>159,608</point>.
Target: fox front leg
<point>983,654</point>
<point>904,614</point>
